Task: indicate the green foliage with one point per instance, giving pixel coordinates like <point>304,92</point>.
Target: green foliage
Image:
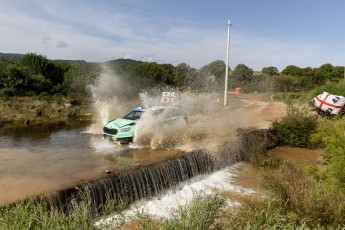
<point>287,83</point>
<point>316,76</point>
<point>292,71</point>
<point>26,215</point>
<point>216,69</point>
<point>73,114</point>
<point>35,215</point>
<point>39,112</point>
<point>5,94</point>
<point>296,201</point>
<point>36,63</point>
<point>44,96</point>
<point>270,71</point>
<point>201,213</point>
<point>242,73</point>
<point>330,87</point>
<point>302,195</point>
<point>259,157</point>
<point>295,128</point>
<point>31,75</point>
<point>181,71</point>
<point>331,134</point>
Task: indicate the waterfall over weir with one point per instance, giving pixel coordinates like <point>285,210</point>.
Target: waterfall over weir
<point>149,181</point>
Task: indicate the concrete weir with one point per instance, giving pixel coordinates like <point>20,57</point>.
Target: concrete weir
<point>149,180</point>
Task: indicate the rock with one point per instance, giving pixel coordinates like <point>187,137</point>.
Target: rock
<point>107,171</point>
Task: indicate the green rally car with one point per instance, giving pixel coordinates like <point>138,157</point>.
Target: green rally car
<point>122,129</point>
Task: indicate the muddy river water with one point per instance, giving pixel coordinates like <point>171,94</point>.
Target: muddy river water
<point>38,160</point>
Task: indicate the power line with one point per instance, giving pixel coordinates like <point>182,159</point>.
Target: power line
<point>160,12</point>
<point>259,43</point>
<point>197,20</point>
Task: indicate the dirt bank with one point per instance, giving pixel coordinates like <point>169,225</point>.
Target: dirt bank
<point>34,110</point>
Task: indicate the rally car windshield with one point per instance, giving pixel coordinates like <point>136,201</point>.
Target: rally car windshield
<point>133,115</point>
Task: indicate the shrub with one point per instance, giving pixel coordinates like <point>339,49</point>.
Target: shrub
<point>296,201</point>
<point>75,102</point>
<point>330,133</point>
<point>5,94</point>
<point>295,129</point>
<point>44,96</point>
<point>304,196</point>
<point>39,112</point>
<point>72,114</point>
<point>330,87</point>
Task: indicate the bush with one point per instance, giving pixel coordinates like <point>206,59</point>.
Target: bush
<point>330,133</point>
<point>44,96</point>
<point>72,114</point>
<point>330,87</point>
<point>5,94</point>
<point>75,102</point>
<point>296,201</point>
<point>295,129</point>
<point>39,112</point>
<point>304,196</point>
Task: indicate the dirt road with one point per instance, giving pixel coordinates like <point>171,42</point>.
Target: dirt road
<point>256,112</point>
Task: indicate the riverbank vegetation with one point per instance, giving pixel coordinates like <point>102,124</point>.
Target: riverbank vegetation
<point>34,88</point>
<point>300,197</point>
<point>66,82</point>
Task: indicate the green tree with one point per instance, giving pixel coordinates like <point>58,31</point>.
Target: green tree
<point>168,73</point>
<point>215,68</point>
<point>292,71</point>
<point>37,63</point>
<point>181,72</point>
<point>242,73</point>
<point>14,80</point>
<point>270,71</point>
<point>287,83</point>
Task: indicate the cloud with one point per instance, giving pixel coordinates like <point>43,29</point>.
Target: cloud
<point>61,45</point>
<point>96,32</point>
<point>45,40</point>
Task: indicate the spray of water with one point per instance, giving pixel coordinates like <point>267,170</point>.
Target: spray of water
<point>165,205</point>
<point>208,124</point>
<point>211,126</point>
<point>108,93</point>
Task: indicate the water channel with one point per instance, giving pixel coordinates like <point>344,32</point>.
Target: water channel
<point>36,160</point>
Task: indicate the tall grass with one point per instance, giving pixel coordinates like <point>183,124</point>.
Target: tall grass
<point>296,201</point>
<point>30,214</point>
<point>330,135</point>
<point>27,215</point>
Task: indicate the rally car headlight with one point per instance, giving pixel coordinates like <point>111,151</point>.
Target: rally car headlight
<point>123,130</point>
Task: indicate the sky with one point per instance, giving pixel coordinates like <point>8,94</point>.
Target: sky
<point>305,33</point>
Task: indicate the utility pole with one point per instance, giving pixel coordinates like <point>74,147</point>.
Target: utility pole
<point>227,66</point>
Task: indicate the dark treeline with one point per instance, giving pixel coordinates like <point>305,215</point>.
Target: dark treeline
<point>32,74</point>
<point>291,79</point>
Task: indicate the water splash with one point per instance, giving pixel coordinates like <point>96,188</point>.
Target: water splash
<point>208,124</point>
<point>108,92</point>
<point>165,205</point>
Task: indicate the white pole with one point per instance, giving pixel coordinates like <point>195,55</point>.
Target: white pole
<point>227,66</point>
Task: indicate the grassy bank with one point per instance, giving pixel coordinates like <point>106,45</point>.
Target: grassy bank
<point>43,109</point>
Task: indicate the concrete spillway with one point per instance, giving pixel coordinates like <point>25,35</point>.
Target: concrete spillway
<point>149,180</point>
